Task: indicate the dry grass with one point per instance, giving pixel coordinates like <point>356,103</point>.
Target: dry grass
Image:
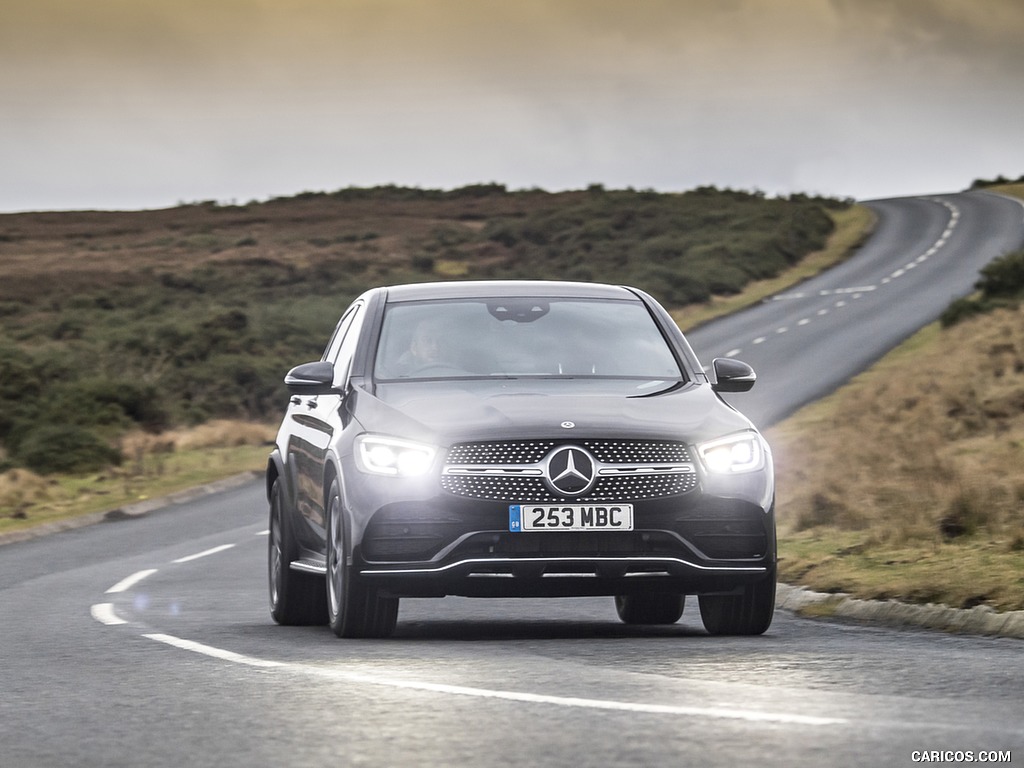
<point>155,465</point>
<point>904,480</point>
<point>20,490</point>
<point>219,433</point>
<point>1015,190</point>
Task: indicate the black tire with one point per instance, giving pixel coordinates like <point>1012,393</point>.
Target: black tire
<point>654,608</point>
<point>748,613</point>
<point>296,599</point>
<point>353,609</point>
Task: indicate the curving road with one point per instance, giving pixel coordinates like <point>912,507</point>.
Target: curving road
<point>147,642</point>
<point>804,343</point>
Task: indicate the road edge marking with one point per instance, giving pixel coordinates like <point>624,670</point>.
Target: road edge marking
<point>130,581</point>
<point>721,713</point>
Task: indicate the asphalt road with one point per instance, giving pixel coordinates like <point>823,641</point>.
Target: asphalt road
<point>148,642</point>
<point>804,343</point>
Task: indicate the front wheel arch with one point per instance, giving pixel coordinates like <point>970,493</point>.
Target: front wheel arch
<point>274,472</point>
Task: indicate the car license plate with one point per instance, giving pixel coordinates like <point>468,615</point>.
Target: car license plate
<point>570,517</point>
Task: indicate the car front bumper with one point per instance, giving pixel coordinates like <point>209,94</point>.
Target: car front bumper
<point>424,542</point>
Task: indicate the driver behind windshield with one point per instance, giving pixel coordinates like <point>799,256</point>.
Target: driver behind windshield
<point>425,350</point>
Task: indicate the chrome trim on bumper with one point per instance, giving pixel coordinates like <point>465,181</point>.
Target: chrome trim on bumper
<point>604,470</point>
<point>510,562</point>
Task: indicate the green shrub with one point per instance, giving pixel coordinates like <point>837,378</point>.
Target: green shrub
<point>961,310</point>
<point>1001,285</point>
<point>135,403</point>
<point>423,263</point>
<point>19,375</point>
<point>1003,277</point>
<point>997,181</point>
<point>67,449</point>
<point>671,287</point>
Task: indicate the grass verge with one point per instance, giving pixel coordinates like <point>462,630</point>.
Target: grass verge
<point>158,465</point>
<point>905,483</point>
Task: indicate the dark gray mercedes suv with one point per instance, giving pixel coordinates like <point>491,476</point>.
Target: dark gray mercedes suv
<point>517,438</point>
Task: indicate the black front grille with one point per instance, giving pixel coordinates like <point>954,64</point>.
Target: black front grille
<point>534,451</point>
<point>533,490</point>
<point>513,487</point>
<point>511,452</point>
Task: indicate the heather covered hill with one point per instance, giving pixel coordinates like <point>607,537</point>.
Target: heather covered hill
<point>111,321</point>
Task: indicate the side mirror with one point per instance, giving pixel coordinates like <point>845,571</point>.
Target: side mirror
<point>311,379</point>
<point>732,375</point>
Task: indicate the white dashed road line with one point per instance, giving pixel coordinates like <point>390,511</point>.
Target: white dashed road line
<point>858,291</point>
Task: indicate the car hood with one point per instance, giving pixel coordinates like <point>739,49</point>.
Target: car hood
<point>457,411</point>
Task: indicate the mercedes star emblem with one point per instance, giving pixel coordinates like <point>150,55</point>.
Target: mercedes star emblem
<point>570,471</point>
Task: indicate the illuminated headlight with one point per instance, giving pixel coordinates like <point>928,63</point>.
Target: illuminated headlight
<point>736,453</point>
<point>390,456</point>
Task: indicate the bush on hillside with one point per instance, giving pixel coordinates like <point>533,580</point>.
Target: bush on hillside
<point>169,336</point>
<point>66,449</point>
<point>1001,285</point>
<point>1003,277</point>
<point>996,182</point>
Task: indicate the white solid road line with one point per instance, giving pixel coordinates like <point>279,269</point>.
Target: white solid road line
<point>125,584</point>
<point>726,713</point>
<point>104,613</point>
<point>205,553</point>
<point>209,650</point>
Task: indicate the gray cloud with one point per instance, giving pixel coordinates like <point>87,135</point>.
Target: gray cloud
<point>134,103</point>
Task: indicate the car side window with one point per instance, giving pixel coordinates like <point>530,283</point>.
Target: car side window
<point>331,352</point>
<point>343,346</point>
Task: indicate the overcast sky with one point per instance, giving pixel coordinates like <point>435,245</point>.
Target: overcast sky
<point>147,103</point>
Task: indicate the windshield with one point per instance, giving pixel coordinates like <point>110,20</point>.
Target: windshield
<point>521,337</point>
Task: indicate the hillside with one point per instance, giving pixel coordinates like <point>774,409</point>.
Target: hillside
<point>118,321</point>
<point>907,483</point>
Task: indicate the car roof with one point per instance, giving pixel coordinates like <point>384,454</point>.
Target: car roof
<point>485,289</point>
